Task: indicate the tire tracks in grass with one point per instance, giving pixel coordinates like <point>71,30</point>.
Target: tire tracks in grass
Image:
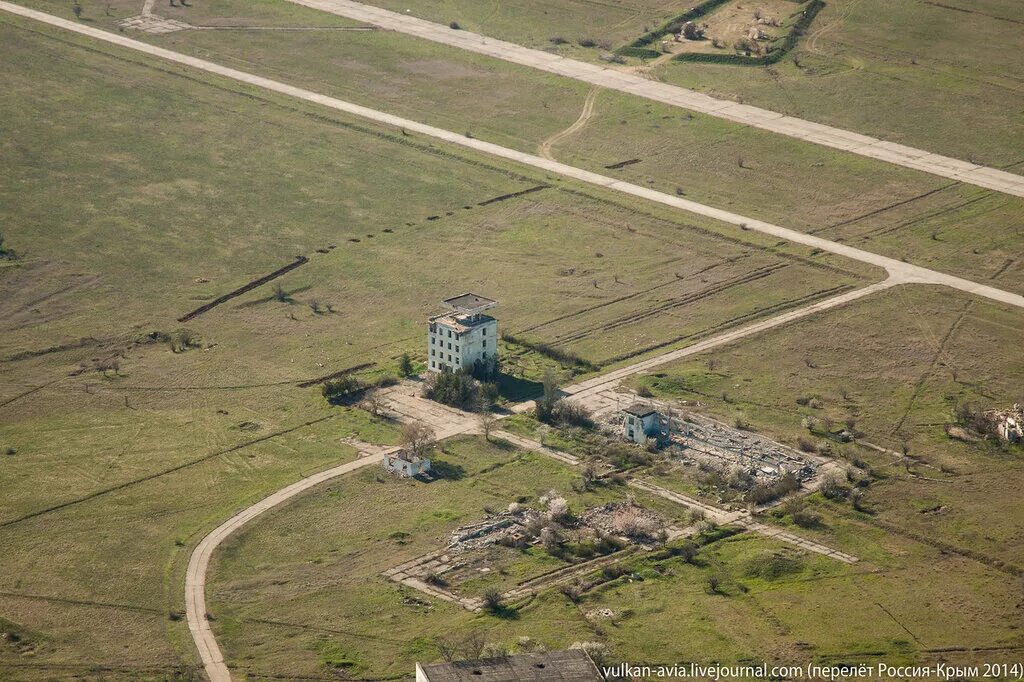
<point>544,149</point>
<point>684,300</point>
<point>728,324</point>
<point>940,350</point>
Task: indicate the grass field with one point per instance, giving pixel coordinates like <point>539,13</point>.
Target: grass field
<point>137,195</point>
<point>605,24</point>
<point>755,173</point>
<point>135,192</point>
<point>871,66</point>
<point>901,388</point>
<point>329,579</point>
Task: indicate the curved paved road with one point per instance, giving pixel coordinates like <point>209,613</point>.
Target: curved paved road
<point>837,138</point>
<point>904,271</point>
<point>195,576</point>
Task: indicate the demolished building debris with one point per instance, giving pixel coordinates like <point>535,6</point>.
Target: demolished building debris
<point>1006,425</point>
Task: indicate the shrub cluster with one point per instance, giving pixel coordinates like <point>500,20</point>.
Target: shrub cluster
<point>343,390</point>
<point>460,389</point>
<point>763,493</point>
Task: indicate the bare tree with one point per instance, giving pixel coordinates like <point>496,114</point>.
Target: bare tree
<point>473,645</point>
<point>447,649</point>
<point>373,402</point>
<point>417,438</point>
<point>487,421</point>
<point>280,294</point>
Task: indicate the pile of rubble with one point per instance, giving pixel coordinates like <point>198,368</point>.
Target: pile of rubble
<point>626,520</point>
<point>705,440</point>
<point>510,524</point>
<point>1006,425</point>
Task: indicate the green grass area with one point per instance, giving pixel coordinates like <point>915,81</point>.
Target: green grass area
<point>760,612</point>
<point>361,526</point>
<point>134,192</point>
<point>917,73</point>
<point>372,194</point>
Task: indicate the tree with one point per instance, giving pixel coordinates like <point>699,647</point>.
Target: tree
<point>487,423</point>
<point>373,402</point>
<point>76,9</point>
<point>473,645</point>
<point>457,389</point>
<point>405,365</point>
<point>341,389</point>
<point>545,405</point>
<point>447,649</point>
<point>417,438</point>
<point>714,584</point>
<point>280,294</point>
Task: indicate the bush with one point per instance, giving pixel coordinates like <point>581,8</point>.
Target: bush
<point>435,580</point>
<point>634,523</point>
<point>184,340</point>
<point>773,566</point>
<point>572,414</point>
<point>457,389</point>
<point>343,390</point>
<point>558,40</point>
<point>714,584</point>
<point>805,518</point>
<point>587,42</point>
<point>6,252</point>
<point>625,455</point>
<point>806,444</point>
<point>572,592</point>
<point>832,488</point>
<point>688,551</point>
<point>454,26</point>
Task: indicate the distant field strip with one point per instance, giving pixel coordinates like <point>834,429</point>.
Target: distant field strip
<point>898,270</point>
<point>936,164</point>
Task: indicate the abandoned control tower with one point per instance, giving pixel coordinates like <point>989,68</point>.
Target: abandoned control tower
<point>464,336</point>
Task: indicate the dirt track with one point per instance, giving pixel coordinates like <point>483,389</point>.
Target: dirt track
<point>588,112</point>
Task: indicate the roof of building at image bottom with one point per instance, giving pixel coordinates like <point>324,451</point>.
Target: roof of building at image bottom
<point>573,665</point>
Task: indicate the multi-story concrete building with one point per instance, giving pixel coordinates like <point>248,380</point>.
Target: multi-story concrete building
<point>464,336</point>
